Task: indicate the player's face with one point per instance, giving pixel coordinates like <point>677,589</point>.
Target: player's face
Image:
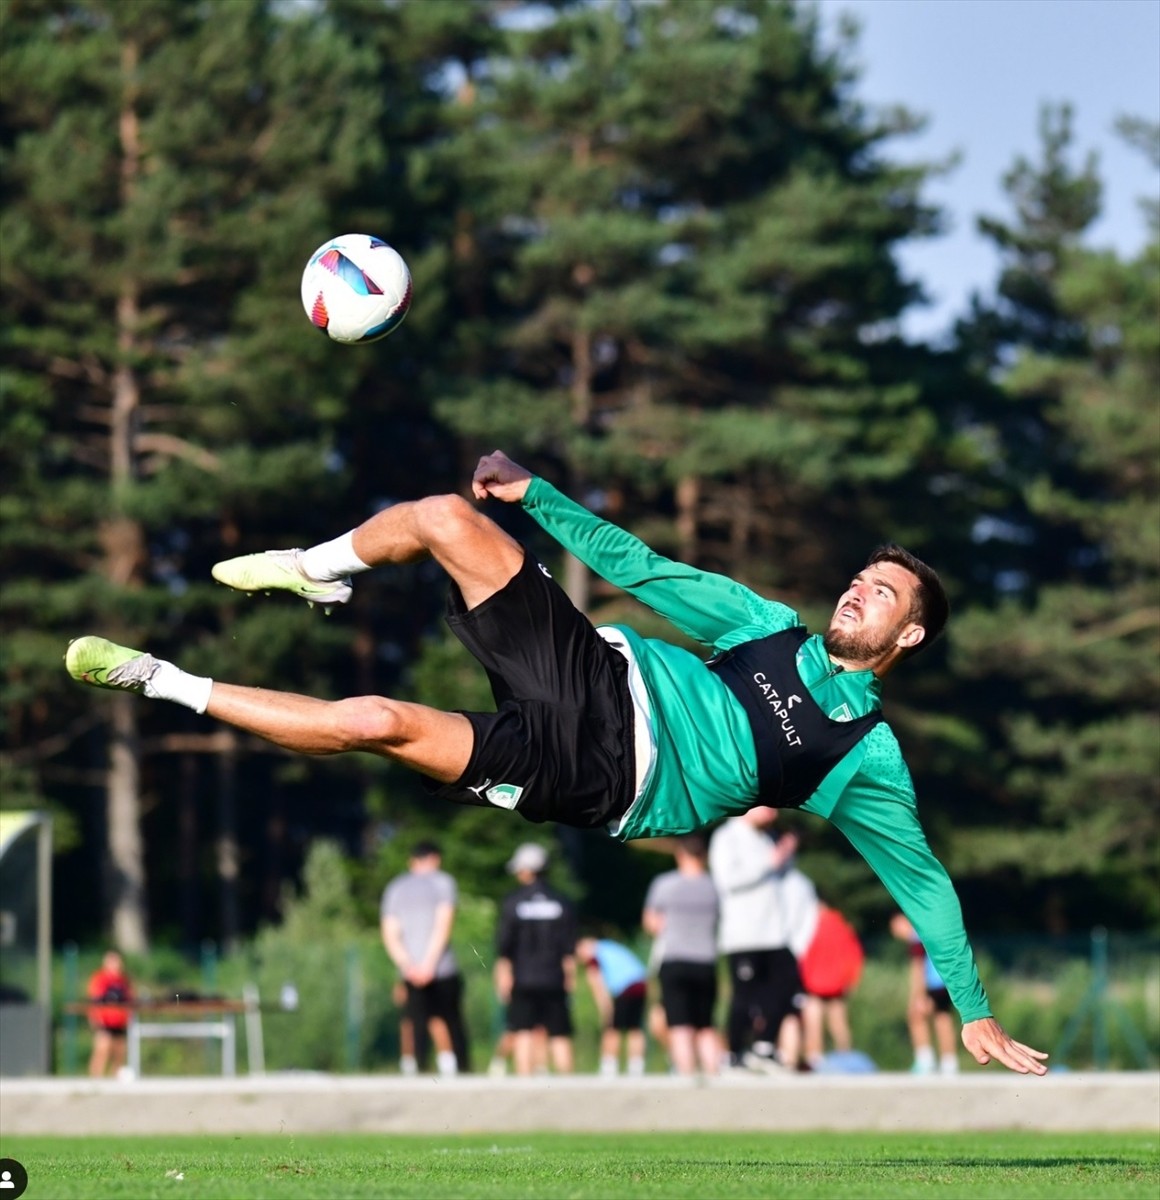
<point>873,615</point>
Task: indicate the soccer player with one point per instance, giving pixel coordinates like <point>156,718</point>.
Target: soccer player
<point>109,986</point>
<point>416,915</point>
<point>602,727</point>
<point>619,983</point>
<point>681,911</point>
<point>535,969</point>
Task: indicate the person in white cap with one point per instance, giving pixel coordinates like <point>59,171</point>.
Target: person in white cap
<point>535,973</point>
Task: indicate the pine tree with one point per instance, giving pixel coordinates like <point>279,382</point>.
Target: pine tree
<point>1067,657</point>
<point>689,234</point>
<point>678,296</point>
<point>166,169</point>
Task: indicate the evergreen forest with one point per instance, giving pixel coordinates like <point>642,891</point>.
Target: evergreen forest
<point>655,253</point>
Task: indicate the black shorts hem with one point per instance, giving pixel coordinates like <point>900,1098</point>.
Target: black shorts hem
<point>559,746</point>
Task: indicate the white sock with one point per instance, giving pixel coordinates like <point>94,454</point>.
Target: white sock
<point>948,1064</point>
<point>447,1063</point>
<point>172,683</point>
<point>636,1066</point>
<point>608,1065</point>
<point>924,1058</point>
<point>332,560</point>
<point>408,1065</point>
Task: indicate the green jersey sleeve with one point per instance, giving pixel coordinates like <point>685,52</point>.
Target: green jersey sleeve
<point>881,823</point>
<point>712,609</point>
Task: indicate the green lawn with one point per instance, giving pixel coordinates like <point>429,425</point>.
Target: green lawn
<point>786,1166</point>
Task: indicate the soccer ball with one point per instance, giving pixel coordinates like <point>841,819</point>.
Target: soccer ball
<point>356,288</point>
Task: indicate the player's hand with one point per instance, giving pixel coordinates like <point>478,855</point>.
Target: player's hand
<point>496,475</point>
<point>987,1040</point>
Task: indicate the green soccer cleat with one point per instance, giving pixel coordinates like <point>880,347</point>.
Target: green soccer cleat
<point>101,663</point>
<point>279,571</point>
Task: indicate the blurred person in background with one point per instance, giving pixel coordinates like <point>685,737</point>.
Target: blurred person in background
<point>535,970</point>
<point>605,728</point>
<point>928,1004</point>
<point>746,865</point>
<point>415,1044</point>
<point>619,983</point>
<point>417,914</point>
<point>801,911</point>
<point>109,987</point>
<point>681,911</point>
<point>831,967</point>
<point>503,1056</point>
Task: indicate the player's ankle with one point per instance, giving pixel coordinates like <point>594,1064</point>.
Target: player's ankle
<point>333,560</point>
<point>170,682</point>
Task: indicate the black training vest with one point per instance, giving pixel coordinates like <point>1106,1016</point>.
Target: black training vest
<point>797,744</point>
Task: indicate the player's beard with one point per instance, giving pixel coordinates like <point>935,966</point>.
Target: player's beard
<point>858,645</point>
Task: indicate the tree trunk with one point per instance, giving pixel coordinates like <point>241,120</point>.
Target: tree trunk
<point>228,851</point>
<point>577,577</point>
<point>126,871</point>
<point>187,851</point>
<point>123,543</point>
<point>688,498</point>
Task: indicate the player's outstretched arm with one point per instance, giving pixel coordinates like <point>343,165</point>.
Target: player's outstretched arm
<point>986,1040</point>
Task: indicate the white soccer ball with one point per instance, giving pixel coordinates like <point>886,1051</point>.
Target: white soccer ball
<point>356,288</point>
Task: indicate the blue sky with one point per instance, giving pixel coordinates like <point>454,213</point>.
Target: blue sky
<point>980,70</point>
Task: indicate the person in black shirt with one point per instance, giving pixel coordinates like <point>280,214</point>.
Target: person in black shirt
<point>536,969</point>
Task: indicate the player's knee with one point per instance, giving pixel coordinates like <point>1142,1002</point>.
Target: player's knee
<point>369,722</point>
<point>446,518</point>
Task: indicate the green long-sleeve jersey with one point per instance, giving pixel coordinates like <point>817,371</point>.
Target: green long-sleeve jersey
<point>703,762</point>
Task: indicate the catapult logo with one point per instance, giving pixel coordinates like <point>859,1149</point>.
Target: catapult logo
<point>781,708</point>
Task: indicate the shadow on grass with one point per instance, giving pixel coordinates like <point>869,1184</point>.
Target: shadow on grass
<point>933,1160</point>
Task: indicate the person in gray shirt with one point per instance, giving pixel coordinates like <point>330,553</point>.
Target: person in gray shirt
<point>416,916</point>
<point>681,912</point>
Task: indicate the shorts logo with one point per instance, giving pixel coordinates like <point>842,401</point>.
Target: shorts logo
<point>504,795</point>
<point>544,570</point>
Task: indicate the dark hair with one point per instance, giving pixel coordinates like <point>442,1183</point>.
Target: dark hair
<point>424,849</point>
<point>930,607</point>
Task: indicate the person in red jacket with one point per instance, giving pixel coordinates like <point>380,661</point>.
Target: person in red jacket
<point>108,985</point>
<point>830,970</point>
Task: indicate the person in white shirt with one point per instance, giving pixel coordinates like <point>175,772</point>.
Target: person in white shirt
<point>746,865</point>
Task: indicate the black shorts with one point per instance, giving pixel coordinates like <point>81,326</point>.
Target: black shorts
<point>768,983</point>
<point>628,1008</point>
<point>688,993</point>
<point>560,745</point>
<point>940,998</point>
<point>530,1008</point>
<point>118,1031</point>
<point>440,998</point>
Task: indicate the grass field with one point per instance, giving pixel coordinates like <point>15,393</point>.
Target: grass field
<point>859,1166</point>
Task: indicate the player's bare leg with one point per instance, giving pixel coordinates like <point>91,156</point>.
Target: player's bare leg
<point>437,744</point>
<point>470,547</point>
<point>479,556</point>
